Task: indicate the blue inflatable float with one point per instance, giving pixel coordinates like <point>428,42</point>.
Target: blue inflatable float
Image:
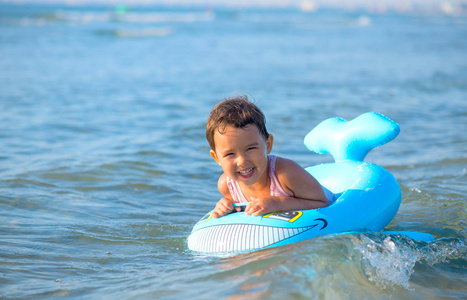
<point>368,196</point>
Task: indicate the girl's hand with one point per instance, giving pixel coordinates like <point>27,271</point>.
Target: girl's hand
<point>224,207</point>
<point>270,204</point>
<point>261,206</point>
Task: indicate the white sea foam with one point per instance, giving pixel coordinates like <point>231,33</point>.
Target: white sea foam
<point>387,264</point>
<point>391,262</point>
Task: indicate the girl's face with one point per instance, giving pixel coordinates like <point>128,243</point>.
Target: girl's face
<point>241,152</point>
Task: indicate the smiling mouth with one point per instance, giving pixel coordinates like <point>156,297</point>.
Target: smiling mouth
<point>246,173</point>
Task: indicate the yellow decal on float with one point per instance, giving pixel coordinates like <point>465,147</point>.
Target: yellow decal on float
<point>288,216</point>
<point>205,218</point>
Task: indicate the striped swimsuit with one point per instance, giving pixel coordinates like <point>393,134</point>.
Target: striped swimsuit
<point>275,187</point>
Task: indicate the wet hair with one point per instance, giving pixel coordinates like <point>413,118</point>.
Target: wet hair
<point>237,112</point>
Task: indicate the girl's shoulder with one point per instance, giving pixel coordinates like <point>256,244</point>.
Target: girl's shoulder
<point>288,172</point>
<point>286,165</point>
<point>222,185</point>
<point>296,180</point>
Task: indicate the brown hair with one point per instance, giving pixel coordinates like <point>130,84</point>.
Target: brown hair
<point>237,112</point>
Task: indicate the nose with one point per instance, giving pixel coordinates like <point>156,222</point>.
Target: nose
<point>241,160</point>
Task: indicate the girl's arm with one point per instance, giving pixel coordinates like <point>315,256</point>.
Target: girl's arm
<point>225,205</point>
<point>305,190</point>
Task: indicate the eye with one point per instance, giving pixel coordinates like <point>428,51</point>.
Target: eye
<point>251,148</point>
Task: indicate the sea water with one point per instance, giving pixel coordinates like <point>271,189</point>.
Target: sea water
<point>104,166</point>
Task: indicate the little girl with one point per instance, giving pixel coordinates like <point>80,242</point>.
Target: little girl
<point>240,144</point>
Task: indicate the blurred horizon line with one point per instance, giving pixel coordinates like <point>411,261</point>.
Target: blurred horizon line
<point>445,7</point>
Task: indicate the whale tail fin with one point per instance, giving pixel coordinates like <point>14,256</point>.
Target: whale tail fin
<point>351,140</point>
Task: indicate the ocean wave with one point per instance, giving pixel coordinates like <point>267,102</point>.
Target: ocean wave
<point>143,32</point>
<point>102,17</point>
<point>131,17</point>
<point>365,265</point>
<point>164,17</point>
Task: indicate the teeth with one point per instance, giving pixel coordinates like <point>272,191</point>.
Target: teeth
<point>246,172</point>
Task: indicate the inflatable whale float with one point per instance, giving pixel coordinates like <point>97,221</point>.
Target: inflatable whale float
<point>368,196</point>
